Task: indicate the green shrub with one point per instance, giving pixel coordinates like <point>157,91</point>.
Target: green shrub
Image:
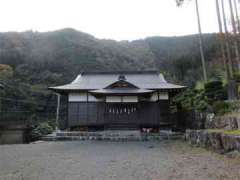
<point>221,107</point>
<point>210,98</point>
<point>191,100</point>
<point>202,106</point>
<point>215,91</point>
<point>237,76</point>
<point>41,129</point>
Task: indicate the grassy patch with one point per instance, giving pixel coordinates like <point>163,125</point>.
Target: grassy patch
<point>232,132</point>
<point>227,132</point>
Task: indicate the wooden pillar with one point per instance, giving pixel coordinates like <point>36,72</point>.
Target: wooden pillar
<point>0,108</point>
<point>1,87</point>
<point>58,110</point>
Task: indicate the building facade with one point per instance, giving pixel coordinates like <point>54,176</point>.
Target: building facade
<point>118,100</point>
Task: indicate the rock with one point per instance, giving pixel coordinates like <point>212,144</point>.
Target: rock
<point>204,139</point>
<point>233,154</point>
<point>215,141</point>
<point>209,121</point>
<point>233,123</point>
<point>237,143</point>
<point>37,142</point>
<point>218,141</point>
<point>223,122</point>
<point>228,142</point>
<point>238,123</point>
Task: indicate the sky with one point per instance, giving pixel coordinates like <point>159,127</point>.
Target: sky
<point>108,19</point>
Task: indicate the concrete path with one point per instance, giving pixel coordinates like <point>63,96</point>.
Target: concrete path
<point>98,160</point>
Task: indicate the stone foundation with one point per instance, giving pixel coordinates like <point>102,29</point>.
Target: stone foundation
<point>216,140</point>
<point>112,136</point>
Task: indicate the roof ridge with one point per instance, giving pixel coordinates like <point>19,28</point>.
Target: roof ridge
<point>120,72</point>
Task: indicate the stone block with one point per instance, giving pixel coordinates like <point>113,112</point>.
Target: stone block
<point>12,137</point>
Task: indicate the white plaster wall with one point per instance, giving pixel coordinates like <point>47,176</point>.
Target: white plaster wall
<point>163,96</point>
<point>91,98</point>
<point>130,99</point>
<point>77,97</point>
<point>113,99</point>
<point>82,97</point>
<point>154,97</point>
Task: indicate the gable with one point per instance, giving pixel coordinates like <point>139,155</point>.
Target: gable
<point>120,85</point>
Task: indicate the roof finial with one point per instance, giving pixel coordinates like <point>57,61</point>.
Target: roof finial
<point>122,78</point>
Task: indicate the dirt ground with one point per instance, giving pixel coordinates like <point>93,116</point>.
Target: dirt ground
<point>98,160</point>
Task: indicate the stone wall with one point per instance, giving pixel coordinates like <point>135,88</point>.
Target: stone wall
<point>13,134</point>
<point>228,122</point>
<point>216,140</point>
<point>198,120</point>
<point>12,137</point>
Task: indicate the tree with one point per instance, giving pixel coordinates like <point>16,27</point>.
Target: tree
<point>230,65</point>
<point>201,43</point>
<point>222,40</point>
<point>235,34</point>
<point>179,2</point>
<point>236,15</point>
<point>6,72</point>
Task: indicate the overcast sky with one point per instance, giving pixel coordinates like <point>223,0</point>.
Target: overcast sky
<point>111,19</point>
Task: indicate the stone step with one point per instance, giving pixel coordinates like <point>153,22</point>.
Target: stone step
<point>109,135</point>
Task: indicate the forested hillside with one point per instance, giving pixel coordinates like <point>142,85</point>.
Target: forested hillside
<point>32,61</point>
<point>56,57</point>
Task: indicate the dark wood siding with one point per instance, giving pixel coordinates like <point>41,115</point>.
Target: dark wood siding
<point>85,113</point>
<point>126,114</point>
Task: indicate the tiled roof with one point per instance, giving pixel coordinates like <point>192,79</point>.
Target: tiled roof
<point>100,80</point>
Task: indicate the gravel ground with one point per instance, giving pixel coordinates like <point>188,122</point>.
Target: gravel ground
<point>98,160</point>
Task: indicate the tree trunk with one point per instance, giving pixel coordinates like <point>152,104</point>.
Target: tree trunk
<point>230,65</point>
<point>201,43</point>
<point>236,14</point>
<point>232,93</point>
<point>222,40</point>
<point>235,34</point>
